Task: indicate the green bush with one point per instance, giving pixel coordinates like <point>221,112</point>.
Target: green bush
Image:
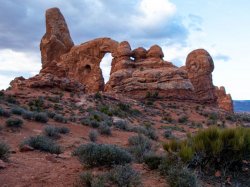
<point>14,123</point>
<point>168,133</point>
<point>96,118</point>
<point>147,131</point>
<point>93,134</point>
<point>41,117</point>
<point>98,95</point>
<point>17,110</point>
<point>122,124</point>
<point>4,151</point>
<point>183,119</point>
<point>87,179</point>
<point>152,160</point>
<point>104,129</point>
<point>51,131</point>
<point>177,174</point>
<point>139,145</point>
<point>182,177</point>
<point>214,148</point>
<point>102,155</point>
<point>50,114</point>
<point>27,115</point>
<point>42,143</point>
<point>4,113</point>
<point>124,176</point>
<point>36,104</point>
<point>60,118</point>
<point>63,130</point>
<point>54,132</point>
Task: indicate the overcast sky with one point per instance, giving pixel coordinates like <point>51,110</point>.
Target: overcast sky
<point>220,26</point>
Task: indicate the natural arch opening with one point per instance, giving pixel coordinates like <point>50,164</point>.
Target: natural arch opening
<point>86,69</point>
<point>105,66</point>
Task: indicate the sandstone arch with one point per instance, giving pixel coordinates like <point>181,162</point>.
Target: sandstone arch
<point>80,62</point>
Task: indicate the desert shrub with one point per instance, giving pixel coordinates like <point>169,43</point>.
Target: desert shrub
<point>42,143</point>
<point>124,176</point>
<point>139,145</point>
<point>182,177</point>
<point>104,129</point>
<point>50,114</point>
<point>96,118</point>
<point>106,110</point>
<point>151,133</point>
<point>167,118</point>
<point>146,130</point>
<point>51,131</point>
<point>4,113</point>
<point>27,115</point>
<point>98,96</point>
<point>14,123</point>
<point>58,107</point>
<point>177,174</point>
<point>93,134</point>
<point>60,118</point>
<point>63,130</point>
<point>41,117</point>
<point>36,104</point>
<point>122,124</point>
<point>102,155</point>
<point>87,179</point>
<point>54,99</point>
<point>17,110</point>
<point>152,160</point>
<point>168,133</point>
<point>54,132</point>
<point>11,99</point>
<point>4,151</point>
<point>214,148</point>
<point>183,119</point>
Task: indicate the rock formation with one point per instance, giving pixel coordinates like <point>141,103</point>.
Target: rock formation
<point>200,65</point>
<point>224,100</point>
<point>56,41</point>
<point>136,73</point>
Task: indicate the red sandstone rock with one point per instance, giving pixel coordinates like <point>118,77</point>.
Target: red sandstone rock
<point>199,65</point>
<point>139,54</point>
<point>47,81</point>
<point>56,41</point>
<point>26,148</point>
<point>224,100</point>
<point>155,52</point>
<point>77,68</point>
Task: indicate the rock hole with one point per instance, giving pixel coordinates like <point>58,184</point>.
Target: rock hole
<point>87,69</point>
<point>105,66</point>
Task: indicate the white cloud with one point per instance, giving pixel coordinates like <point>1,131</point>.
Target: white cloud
<point>153,13</point>
<point>4,81</point>
<point>14,61</point>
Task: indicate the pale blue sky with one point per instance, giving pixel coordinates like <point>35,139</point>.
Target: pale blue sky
<point>220,26</point>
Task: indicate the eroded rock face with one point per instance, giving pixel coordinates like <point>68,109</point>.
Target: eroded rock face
<point>148,72</point>
<point>47,81</point>
<point>224,100</point>
<point>56,41</point>
<point>134,73</point>
<point>199,66</point>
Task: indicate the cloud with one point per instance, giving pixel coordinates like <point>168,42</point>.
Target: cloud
<point>22,24</point>
<point>14,61</point>
<point>221,57</point>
